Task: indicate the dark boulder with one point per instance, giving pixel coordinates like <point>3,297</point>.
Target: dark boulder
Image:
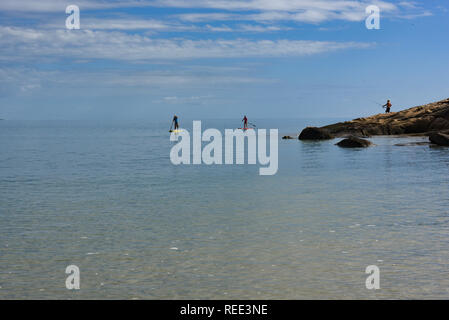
<point>354,142</point>
<point>313,133</point>
<point>439,124</point>
<point>439,138</point>
<point>287,137</point>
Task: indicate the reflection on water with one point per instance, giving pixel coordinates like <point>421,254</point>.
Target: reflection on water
<point>107,199</point>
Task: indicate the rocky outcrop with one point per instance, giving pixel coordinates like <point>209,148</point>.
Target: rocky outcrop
<point>313,133</point>
<point>418,120</point>
<point>439,138</point>
<point>354,142</point>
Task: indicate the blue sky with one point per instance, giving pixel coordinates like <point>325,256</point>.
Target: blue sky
<point>200,59</point>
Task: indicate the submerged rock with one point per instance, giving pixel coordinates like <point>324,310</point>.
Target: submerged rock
<point>409,144</point>
<point>354,142</point>
<point>439,138</point>
<point>287,137</point>
<point>313,133</point>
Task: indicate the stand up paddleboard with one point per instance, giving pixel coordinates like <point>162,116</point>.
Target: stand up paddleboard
<point>176,131</point>
<point>246,128</point>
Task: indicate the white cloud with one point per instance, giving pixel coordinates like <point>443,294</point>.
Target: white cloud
<point>60,5</point>
<point>414,16</point>
<point>87,44</point>
<point>221,28</point>
<point>278,5</point>
<point>307,11</point>
<point>259,28</point>
<point>204,17</point>
<point>130,23</point>
<point>304,11</point>
<point>25,81</point>
<point>198,100</point>
<point>245,28</point>
<point>408,4</point>
<point>240,16</point>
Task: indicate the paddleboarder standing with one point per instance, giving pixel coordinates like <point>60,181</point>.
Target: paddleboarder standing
<point>175,121</point>
<point>245,122</point>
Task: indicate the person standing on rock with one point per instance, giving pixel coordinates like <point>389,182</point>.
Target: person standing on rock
<point>387,106</point>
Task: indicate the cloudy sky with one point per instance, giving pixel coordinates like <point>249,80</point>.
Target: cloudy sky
<point>148,59</point>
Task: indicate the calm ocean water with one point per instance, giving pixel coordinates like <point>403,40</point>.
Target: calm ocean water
<point>105,197</point>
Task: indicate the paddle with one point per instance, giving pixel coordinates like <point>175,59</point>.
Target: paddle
<point>383,106</point>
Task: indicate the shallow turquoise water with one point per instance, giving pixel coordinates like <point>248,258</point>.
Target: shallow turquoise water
<point>105,197</point>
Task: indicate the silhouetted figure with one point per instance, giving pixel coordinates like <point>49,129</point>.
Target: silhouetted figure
<point>387,106</point>
<point>245,122</point>
<point>175,121</point>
